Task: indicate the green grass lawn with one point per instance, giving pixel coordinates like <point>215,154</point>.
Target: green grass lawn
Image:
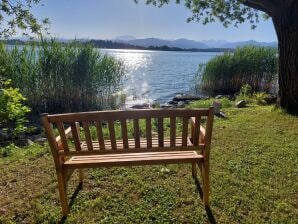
<point>254,159</point>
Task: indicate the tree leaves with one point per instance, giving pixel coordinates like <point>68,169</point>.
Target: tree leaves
<point>16,16</point>
<point>229,13</point>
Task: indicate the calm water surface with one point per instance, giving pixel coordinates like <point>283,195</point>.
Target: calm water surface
<point>158,75</point>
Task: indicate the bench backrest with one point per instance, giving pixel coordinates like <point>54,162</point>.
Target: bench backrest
<point>126,122</point>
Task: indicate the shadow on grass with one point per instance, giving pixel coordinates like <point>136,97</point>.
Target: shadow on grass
<point>73,197</point>
<point>208,210</point>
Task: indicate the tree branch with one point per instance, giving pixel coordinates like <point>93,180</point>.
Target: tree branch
<point>270,7</point>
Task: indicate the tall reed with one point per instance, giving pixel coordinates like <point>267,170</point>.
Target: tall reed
<point>225,74</point>
<point>57,77</point>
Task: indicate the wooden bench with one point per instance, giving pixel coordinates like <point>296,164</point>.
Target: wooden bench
<point>192,146</point>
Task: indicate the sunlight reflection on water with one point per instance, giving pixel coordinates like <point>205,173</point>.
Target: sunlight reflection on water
<point>157,75</point>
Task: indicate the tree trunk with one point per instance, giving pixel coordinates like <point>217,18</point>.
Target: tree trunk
<point>286,25</point>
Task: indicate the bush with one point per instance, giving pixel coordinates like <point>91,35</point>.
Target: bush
<point>225,74</point>
<point>12,110</point>
<point>58,77</point>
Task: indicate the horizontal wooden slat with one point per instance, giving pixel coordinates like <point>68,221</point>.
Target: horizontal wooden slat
<point>130,159</point>
<point>124,114</point>
<point>143,144</point>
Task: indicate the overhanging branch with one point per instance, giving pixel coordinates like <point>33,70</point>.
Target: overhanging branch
<point>266,6</point>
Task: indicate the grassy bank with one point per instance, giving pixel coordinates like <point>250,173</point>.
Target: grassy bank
<point>253,163</point>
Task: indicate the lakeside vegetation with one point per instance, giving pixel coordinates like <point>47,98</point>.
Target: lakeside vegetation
<point>55,77</point>
<point>249,180</point>
<point>225,74</point>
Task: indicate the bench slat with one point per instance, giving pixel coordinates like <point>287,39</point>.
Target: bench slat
<point>87,135</point>
<point>196,131</point>
<point>75,134</point>
<point>61,130</point>
<point>124,133</point>
<point>99,134</point>
<point>160,131</point>
<point>122,114</point>
<point>148,132</point>
<point>136,128</point>
<point>133,159</point>
<point>184,130</point>
<point>112,134</point>
<point>173,131</point>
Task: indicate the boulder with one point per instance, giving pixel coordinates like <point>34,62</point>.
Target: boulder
<point>185,98</point>
<point>219,96</point>
<point>271,99</point>
<point>217,107</point>
<point>40,141</point>
<point>4,136</point>
<point>181,104</point>
<point>166,105</point>
<point>141,106</point>
<point>240,104</point>
<point>173,102</point>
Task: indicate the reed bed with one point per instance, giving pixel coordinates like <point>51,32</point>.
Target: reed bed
<point>225,74</point>
<point>57,77</point>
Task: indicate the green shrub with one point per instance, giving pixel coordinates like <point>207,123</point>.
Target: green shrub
<point>225,74</point>
<point>58,77</point>
<point>12,109</point>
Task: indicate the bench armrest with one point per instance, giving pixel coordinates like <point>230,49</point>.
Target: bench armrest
<point>202,130</point>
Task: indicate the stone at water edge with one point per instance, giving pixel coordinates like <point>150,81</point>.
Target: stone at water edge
<point>270,99</point>
<point>40,141</point>
<point>185,98</point>
<point>219,96</point>
<point>141,106</point>
<point>240,104</point>
<point>217,107</point>
<point>173,102</point>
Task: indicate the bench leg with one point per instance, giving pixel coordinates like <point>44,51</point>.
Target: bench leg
<point>62,186</point>
<point>206,184</point>
<point>81,176</point>
<point>194,169</point>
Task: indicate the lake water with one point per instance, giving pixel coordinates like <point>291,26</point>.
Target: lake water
<point>157,76</point>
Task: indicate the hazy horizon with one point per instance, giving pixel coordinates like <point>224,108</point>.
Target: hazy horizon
<point>107,19</point>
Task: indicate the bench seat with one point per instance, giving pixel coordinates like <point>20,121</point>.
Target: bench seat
<point>131,143</point>
<point>132,159</point>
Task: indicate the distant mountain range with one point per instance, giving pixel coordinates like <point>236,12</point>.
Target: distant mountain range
<point>189,44</point>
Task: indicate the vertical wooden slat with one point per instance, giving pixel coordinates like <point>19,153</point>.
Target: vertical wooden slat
<point>101,141</point>
<point>61,130</point>
<point>136,129</point>
<point>124,134</point>
<point>160,131</point>
<point>148,133</point>
<point>87,135</point>
<point>112,134</point>
<point>184,131</point>
<point>173,131</point>
<point>196,131</point>
<point>76,136</point>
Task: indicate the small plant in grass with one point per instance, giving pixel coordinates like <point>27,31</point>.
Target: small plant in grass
<point>12,110</point>
<point>225,103</point>
<point>260,98</point>
<point>245,93</point>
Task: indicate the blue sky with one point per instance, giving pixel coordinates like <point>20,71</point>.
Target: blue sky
<point>106,19</point>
